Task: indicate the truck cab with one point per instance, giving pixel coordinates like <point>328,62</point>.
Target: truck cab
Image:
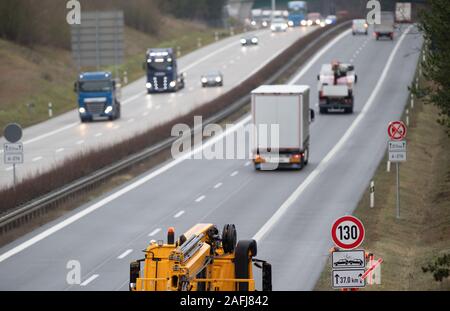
<point>98,96</point>
<point>162,72</point>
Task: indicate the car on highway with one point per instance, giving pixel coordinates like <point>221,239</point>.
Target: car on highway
<point>249,40</point>
<point>314,18</point>
<point>330,20</point>
<point>279,25</point>
<point>360,26</point>
<point>213,78</point>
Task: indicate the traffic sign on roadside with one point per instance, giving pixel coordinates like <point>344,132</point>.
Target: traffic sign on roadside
<point>397,130</point>
<point>353,259</point>
<point>13,132</point>
<point>397,151</point>
<point>350,278</point>
<point>13,151</point>
<point>347,232</point>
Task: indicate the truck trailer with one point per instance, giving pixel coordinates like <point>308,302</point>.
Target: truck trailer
<point>386,26</point>
<point>288,107</point>
<point>98,96</point>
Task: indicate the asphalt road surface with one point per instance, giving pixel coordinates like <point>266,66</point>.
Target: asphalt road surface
<point>50,142</point>
<point>289,213</point>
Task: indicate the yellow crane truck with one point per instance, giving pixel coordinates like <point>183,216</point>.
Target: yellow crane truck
<point>201,259</point>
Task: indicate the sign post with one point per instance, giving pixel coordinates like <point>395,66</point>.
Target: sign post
<point>13,150</point>
<point>348,264</point>
<point>397,152</point>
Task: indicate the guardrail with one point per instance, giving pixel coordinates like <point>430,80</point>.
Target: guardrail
<point>42,205</point>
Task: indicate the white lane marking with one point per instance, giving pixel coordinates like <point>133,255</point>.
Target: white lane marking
<point>145,114</point>
<point>130,120</point>
<point>116,126</point>
<point>80,142</point>
<point>231,61</point>
<point>178,214</point>
<point>294,196</point>
<point>130,99</point>
<point>318,55</point>
<point>124,254</point>
<point>157,107</point>
<point>200,198</point>
<point>154,232</point>
<point>234,173</point>
<point>89,280</point>
<point>59,150</point>
<point>248,163</point>
<point>98,134</point>
<point>37,159</point>
<point>216,186</point>
<point>224,66</point>
<point>141,181</point>
<point>191,89</point>
<point>9,169</point>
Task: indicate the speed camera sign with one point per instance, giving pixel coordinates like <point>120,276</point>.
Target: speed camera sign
<point>347,232</point>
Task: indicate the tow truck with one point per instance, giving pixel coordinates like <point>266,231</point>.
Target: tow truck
<point>336,82</point>
<point>201,259</point>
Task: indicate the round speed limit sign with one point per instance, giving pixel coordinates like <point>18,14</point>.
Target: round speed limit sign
<point>347,232</point>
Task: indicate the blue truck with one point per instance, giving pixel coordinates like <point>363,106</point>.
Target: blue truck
<point>297,13</point>
<point>162,72</point>
<point>98,96</point>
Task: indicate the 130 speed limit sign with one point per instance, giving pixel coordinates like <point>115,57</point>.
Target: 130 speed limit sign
<point>347,232</point>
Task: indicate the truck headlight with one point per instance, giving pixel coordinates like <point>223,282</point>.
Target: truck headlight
<point>255,40</point>
<point>273,27</point>
<point>218,79</point>
<point>243,41</point>
<point>204,80</point>
<point>108,109</point>
<point>318,21</point>
<point>290,23</point>
<point>82,110</point>
<point>148,85</point>
<point>303,23</point>
<point>172,83</point>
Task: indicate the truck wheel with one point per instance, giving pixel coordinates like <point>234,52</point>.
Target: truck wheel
<point>306,158</point>
<point>229,238</point>
<point>245,250</point>
<point>323,110</point>
<point>119,111</point>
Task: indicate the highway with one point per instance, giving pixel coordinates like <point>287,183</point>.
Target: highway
<point>289,213</point>
<point>48,143</point>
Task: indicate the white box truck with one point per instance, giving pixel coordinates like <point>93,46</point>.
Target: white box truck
<point>403,12</point>
<point>386,26</point>
<point>286,107</point>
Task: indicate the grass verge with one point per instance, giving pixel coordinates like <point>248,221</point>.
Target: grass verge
<point>422,233</point>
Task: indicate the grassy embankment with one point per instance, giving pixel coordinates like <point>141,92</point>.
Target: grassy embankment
<point>33,77</point>
<point>423,231</point>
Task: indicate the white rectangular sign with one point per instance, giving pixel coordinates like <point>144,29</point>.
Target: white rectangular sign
<point>13,148</point>
<point>353,259</point>
<point>397,150</point>
<point>350,278</point>
<point>13,158</point>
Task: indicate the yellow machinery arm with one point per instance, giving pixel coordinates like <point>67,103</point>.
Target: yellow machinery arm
<point>200,260</point>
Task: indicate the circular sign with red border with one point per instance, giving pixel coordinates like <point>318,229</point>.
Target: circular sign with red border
<point>347,232</point>
<point>397,130</point>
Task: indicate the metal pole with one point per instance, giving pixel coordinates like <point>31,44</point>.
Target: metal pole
<point>14,174</point>
<point>398,190</point>
<point>274,5</point>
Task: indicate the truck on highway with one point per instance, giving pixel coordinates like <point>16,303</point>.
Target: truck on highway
<point>403,12</point>
<point>98,96</point>
<point>297,12</point>
<point>201,259</point>
<point>386,26</point>
<point>162,71</point>
<point>335,87</point>
<point>286,106</point>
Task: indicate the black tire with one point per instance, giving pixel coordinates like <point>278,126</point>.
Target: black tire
<point>229,238</point>
<point>353,33</point>
<point>84,120</point>
<point>245,250</point>
<point>307,156</point>
<point>323,110</point>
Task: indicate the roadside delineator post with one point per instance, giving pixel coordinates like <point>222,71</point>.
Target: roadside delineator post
<point>388,166</point>
<point>125,77</point>
<point>50,110</point>
<point>231,31</point>
<point>412,101</point>
<point>372,194</point>
<point>178,51</point>
<point>216,36</point>
<point>407,117</point>
<point>199,42</point>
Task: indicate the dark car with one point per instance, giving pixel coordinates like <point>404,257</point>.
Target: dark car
<point>342,262</point>
<point>355,262</point>
<point>214,78</point>
<point>251,40</point>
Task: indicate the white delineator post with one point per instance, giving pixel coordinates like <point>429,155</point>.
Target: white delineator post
<point>50,110</point>
<point>372,194</point>
<point>388,166</point>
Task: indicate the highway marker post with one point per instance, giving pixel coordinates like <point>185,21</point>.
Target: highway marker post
<point>347,264</point>
<point>397,152</point>
<point>50,110</point>
<point>372,194</point>
<point>13,150</point>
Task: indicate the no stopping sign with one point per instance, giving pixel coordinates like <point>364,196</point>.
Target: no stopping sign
<point>347,232</point>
